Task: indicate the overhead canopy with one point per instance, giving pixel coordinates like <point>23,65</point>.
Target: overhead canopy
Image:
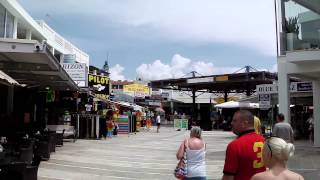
<point>7,79</point>
<point>233,104</point>
<point>33,65</point>
<point>237,83</point>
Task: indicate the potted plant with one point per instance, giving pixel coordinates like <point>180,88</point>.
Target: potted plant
<point>292,31</point>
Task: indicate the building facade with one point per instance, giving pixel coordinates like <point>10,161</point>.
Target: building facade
<point>33,54</point>
<point>298,30</point>
<point>21,35</point>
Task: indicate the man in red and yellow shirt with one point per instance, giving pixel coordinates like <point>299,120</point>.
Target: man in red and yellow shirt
<point>244,154</point>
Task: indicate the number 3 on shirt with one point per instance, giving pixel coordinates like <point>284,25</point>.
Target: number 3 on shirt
<point>257,148</point>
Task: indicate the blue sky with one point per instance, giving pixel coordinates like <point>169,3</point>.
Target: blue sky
<point>156,39</point>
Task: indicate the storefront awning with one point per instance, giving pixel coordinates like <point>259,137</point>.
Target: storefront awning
<point>6,79</point>
<point>234,104</point>
<point>33,65</point>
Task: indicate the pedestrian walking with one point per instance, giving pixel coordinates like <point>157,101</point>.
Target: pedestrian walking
<point>109,129</point>
<point>194,148</point>
<point>310,122</point>
<point>158,119</point>
<point>283,129</point>
<point>276,153</point>
<point>244,154</point>
<point>115,128</point>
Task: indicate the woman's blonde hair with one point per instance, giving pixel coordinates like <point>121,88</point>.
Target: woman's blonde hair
<point>195,132</point>
<point>279,148</point>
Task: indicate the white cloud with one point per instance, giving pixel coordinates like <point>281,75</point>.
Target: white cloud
<point>156,70</point>
<point>116,73</point>
<point>245,23</point>
<point>179,67</point>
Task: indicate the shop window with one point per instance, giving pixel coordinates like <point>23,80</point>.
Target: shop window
<point>9,25</point>
<point>2,20</point>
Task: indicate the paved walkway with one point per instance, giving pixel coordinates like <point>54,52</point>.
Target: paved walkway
<point>148,155</point>
<point>306,160</point>
<point>145,155</point>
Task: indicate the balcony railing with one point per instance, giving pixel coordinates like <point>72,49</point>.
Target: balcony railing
<point>68,47</point>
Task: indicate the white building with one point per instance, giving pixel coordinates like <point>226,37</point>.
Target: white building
<point>32,52</point>
<point>299,52</point>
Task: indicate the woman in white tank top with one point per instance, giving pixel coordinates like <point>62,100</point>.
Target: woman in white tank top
<point>194,147</point>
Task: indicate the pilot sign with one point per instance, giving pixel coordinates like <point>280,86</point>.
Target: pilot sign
<point>100,85</point>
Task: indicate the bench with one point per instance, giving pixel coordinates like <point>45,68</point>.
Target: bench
<point>66,131</point>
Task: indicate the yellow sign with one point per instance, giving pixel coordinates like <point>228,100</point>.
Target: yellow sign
<point>102,96</point>
<point>136,88</point>
<point>222,78</point>
<point>95,79</point>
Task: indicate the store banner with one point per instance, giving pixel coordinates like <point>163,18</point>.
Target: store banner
<point>138,90</point>
<point>304,86</point>
<point>78,72</point>
<point>100,85</point>
<point>294,88</point>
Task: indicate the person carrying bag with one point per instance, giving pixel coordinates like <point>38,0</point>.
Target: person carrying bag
<point>180,171</point>
<point>192,157</point>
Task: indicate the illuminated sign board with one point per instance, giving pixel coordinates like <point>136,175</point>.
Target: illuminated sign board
<point>100,85</point>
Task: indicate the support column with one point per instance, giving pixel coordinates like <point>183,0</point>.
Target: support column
<point>172,106</point>
<point>316,112</point>
<point>194,116</point>
<point>35,113</point>
<point>198,114</point>
<point>15,28</point>
<point>29,34</point>
<point>78,125</point>
<point>283,92</point>
<point>97,126</point>
<point>92,127</point>
<point>225,96</point>
<point>10,100</point>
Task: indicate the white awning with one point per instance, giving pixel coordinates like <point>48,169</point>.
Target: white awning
<point>233,104</point>
<point>7,78</point>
